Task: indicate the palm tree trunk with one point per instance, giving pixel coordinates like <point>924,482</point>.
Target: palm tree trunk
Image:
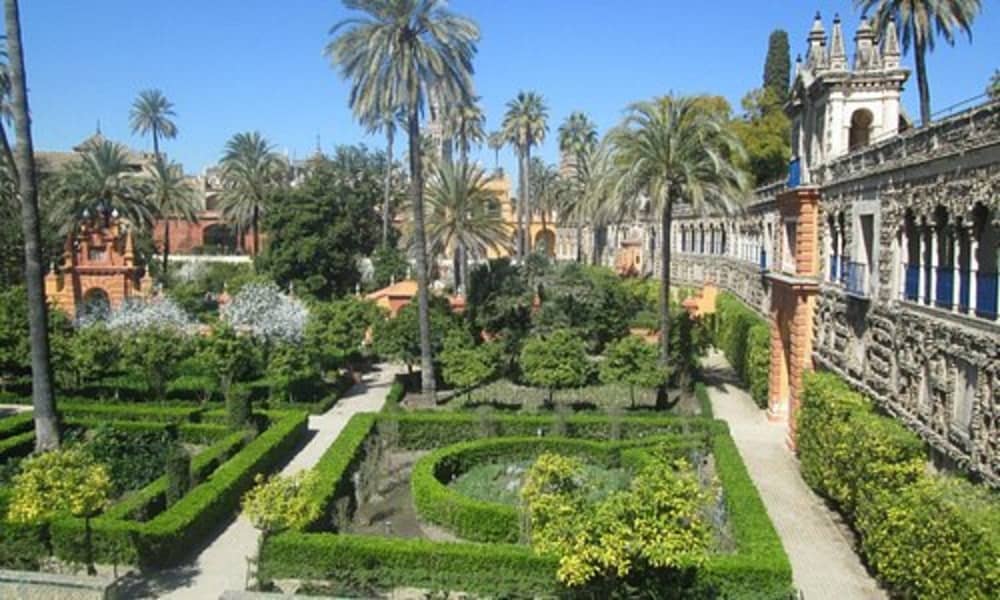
<point>166,246</point>
<point>256,230</point>
<point>545,237</point>
<point>456,266</point>
<point>920,56</point>
<point>579,242</point>
<point>665,284</point>
<point>420,251</point>
<point>463,264</point>
<point>389,134</point>
<point>527,197</point>
<point>522,168</point>
<point>42,392</point>
<point>156,143</point>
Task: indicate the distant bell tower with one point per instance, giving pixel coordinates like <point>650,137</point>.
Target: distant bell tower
<point>837,107</point>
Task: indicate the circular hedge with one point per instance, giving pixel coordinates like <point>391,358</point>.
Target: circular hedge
<point>480,521</point>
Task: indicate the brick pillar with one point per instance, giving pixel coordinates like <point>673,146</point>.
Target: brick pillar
<point>793,297</point>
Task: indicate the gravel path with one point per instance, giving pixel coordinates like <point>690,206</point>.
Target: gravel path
<point>222,565</point>
<point>824,564</point>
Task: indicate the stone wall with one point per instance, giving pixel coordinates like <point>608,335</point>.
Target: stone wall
<point>29,585</point>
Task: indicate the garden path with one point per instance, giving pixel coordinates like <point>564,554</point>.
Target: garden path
<point>222,565</point>
<point>824,564</point>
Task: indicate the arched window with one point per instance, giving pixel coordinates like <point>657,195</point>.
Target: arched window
<point>861,128</point>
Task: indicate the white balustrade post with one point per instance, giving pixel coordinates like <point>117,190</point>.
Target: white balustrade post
<point>973,271</point>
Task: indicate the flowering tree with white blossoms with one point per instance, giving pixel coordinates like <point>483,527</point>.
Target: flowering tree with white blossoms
<point>264,311</point>
<point>136,314</point>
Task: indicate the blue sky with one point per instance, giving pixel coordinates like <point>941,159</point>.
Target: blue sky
<point>238,65</point>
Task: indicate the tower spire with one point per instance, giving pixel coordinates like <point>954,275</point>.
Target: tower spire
<point>890,45</point>
<point>865,51</point>
<point>816,57</point>
<point>838,54</point>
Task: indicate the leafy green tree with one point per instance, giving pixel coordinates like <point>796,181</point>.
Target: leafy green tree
<point>42,394</point>
<point>993,89</point>
<point>920,20</point>
<point>634,362</point>
<point>499,302</point>
<point>320,229</point>
<point>668,151</point>
<point>592,302</point>
<point>92,354</point>
<point>152,113</point>
<point>154,352</point>
<point>398,338</point>
<point>394,55</point>
<point>336,331</point>
<point>765,132</point>
<point>386,121</point>
<point>525,125</point>
<point>556,361</point>
<point>550,191</point>
<point>465,365</point>
<point>15,343</point>
<point>233,357</point>
<point>292,374</point>
<point>463,215</point>
<point>57,484</point>
<point>389,265</point>
<point>778,65</point>
<point>251,172</point>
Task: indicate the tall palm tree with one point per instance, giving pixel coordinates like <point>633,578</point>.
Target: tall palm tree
<point>42,392</point>
<point>251,170</point>
<point>463,215</point>
<point>101,183</point>
<point>920,21</point>
<point>668,151</point>
<point>170,196</point>
<point>549,189</point>
<point>577,140</point>
<point>385,121</point>
<point>496,141</point>
<point>525,126</point>
<point>151,113</point>
<point>395,54</point>
<point>467,127</point>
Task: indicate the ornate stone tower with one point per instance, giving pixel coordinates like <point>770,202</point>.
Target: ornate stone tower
<point>837,106</point>
<point>98,268</point>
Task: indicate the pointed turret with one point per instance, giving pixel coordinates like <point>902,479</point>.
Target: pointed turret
<point>816,58</point>
<point>890,45</point>
<point>129,249</point>
<point>866,55</point>
<point>838,53</point>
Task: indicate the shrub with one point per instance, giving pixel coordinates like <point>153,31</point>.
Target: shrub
<point>465,365</point>
<point>745,340</point>
<point>266,313</point>
<point>238,406</point>
<point>937,538</point>
<point>281,502</point>
<point>178,474</point>
<point>925,536</point>
<point>133,458</point>
<point>634,362</point>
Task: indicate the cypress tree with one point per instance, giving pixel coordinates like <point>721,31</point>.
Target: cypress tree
<point>777,68</point>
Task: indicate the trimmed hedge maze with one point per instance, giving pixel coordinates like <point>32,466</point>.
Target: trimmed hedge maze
<point>139,528</point>
<point>491,562</point>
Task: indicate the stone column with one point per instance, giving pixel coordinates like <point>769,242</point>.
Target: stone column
<point>921,268</point>
<point>956,275</point>
<point>932,292</point>
<point>973,270</point>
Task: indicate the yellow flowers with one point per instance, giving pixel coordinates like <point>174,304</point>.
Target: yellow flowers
<point>60,482</point>
<point>281,502</point>
<point>658,523</point>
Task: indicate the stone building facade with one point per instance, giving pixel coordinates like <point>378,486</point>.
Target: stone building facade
<point>877,259</point>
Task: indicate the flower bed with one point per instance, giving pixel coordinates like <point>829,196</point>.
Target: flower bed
<point>757,568</point>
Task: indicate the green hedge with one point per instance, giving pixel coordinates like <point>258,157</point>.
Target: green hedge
<point>757,569</point>
<point>169,536</point>
<point>17,445</point>
<point>433,429</point>
<point>494,570</point>
<point>15,424</point>
<point>745,339</point>
<point>704,401</point>
<point>482,521</point>
<point>925,536</point>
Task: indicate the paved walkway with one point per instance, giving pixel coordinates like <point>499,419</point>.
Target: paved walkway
<point>824,565</point>
<point>222,564</point>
